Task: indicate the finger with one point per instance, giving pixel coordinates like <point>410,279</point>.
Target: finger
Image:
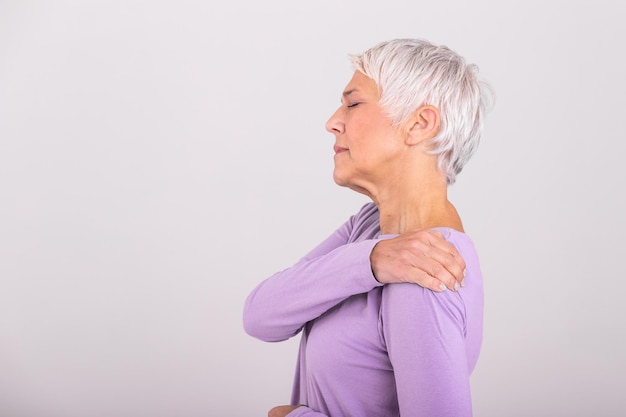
<point>441,274</point>
<point>444,245</point>
<point>434,284</point>
<point>446,255</point>
<point>435,239</point>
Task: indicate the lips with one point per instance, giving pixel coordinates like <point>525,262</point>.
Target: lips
<point>339,149</point>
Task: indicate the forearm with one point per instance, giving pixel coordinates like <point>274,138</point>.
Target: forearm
<point>281,305</point>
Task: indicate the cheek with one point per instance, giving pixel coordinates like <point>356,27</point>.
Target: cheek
<point>361,133</point>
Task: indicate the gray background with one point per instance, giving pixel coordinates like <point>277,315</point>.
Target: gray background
<point>158,159</point>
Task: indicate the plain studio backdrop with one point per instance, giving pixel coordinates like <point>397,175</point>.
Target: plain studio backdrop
<point>158,159</point>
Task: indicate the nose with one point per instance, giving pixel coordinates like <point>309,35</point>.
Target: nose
<point>335,124</point>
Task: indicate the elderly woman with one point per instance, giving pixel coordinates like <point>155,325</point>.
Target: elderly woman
<point>390,305</point>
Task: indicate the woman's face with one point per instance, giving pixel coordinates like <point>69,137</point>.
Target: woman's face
<point>366,142</point>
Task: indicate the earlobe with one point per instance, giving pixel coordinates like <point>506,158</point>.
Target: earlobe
<point>423,125</point>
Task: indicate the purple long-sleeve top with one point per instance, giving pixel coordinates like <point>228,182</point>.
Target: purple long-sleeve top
<point>369,349</point>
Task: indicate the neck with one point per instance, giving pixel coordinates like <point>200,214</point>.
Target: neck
<point>410,205</point>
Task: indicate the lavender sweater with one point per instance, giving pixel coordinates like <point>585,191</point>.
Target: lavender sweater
<point>369,350</point>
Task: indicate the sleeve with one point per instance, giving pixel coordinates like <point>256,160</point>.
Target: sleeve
<point>281,305</point>
<point>424,333</point>
<point>304,411</point>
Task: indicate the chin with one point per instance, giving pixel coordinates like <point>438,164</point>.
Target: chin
<point>339,179</point>
<point>341,183</point>
<point>344,182</point>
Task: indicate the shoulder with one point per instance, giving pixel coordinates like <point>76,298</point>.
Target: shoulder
<point>456,305</point>
<point>409,306</point>
<point>465,245</point>
<point>460,240</point>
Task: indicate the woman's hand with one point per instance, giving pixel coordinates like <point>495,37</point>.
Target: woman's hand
<point>421,257</point>
<point>281,410</point>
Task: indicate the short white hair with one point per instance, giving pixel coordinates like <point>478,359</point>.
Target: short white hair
<point>411,73</point>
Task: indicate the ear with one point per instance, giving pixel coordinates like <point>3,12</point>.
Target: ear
<point>423,125</point>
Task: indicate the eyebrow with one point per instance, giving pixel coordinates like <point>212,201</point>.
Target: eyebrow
<point>348,92</point>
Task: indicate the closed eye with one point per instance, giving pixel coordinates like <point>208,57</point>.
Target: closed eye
<point>353,105</point>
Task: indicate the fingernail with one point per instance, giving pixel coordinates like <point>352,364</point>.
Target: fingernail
<point>463,283</point>
<point>442,287</point>
<point>457,286</point>
<point>465,272</point>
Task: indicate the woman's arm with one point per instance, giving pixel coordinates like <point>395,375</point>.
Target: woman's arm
<point>337,269</point>
<point>424,333</point>
<point>279,307</point>
<point>433,340</point>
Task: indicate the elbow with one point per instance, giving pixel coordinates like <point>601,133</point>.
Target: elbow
<point>251,322</point>
<point>258,325</point>
<point>262,332</point>
<point>253,318</point>
<point>262,327</point>
<point>252,325</point>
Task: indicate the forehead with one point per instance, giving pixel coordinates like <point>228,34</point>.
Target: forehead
<point>362,84</point>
